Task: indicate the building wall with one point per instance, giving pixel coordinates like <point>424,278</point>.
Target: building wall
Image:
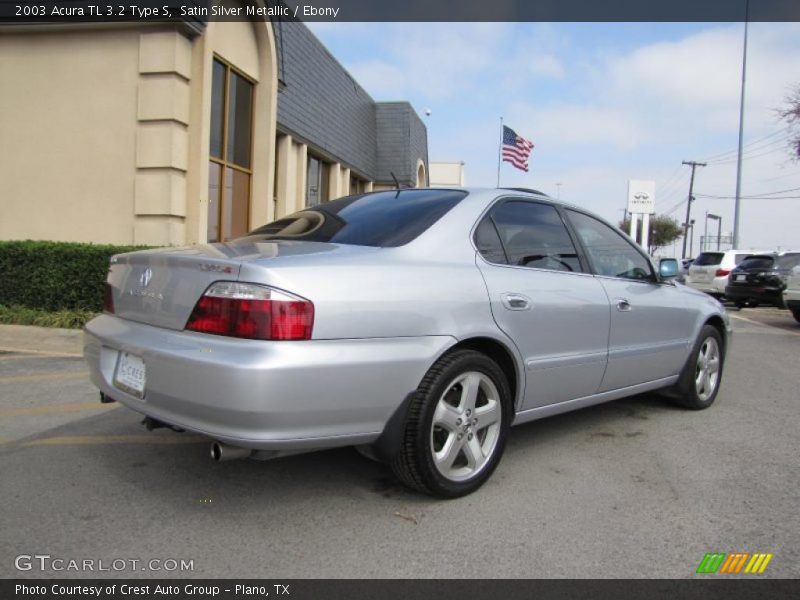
<point>447,174</point>
<point>68,117</point>
<point>106,131</point>
<point>321,104</point>
<point>402,142</point>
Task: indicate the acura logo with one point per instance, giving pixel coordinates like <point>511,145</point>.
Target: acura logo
<point>641,195</point>
<point>145,277</point>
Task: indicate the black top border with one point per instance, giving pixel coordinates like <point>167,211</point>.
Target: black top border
<point>198,12</point>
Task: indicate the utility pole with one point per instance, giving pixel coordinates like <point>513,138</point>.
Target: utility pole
<point>694,165</point>
<point>738,201</point>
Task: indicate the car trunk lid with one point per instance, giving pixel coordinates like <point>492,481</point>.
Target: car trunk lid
<point>161,287</point>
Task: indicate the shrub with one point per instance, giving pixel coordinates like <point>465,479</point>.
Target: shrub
<point>54,276</point>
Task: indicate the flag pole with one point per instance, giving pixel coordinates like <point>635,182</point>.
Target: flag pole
<point>499,152</point>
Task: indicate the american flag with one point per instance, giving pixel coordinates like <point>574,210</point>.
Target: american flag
<point>516,149</point>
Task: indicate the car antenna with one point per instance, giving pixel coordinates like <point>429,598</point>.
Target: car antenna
<point>396,183</point>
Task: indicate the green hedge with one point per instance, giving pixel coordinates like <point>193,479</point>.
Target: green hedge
<point>55,276</point>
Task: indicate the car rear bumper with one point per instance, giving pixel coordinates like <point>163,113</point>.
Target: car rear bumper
<point>716,287</point>
<point>263,395</point>
<point>758,294</point>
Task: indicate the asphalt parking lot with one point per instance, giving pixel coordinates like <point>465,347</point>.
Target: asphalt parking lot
<point>634,488</point>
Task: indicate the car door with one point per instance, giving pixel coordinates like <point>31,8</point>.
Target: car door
<point>542,298</point>
<point>651,324</point>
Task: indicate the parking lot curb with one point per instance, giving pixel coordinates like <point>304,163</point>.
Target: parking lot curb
<point>27,338</point>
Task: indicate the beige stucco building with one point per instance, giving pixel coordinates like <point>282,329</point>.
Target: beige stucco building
<point>171,133</point>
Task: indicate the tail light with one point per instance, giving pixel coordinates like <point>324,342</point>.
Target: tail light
<point>723,272</point>
<point>108,299</point>
<point>245,310</point>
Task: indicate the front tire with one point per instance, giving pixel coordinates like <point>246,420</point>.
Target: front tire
<point>796,314</point>
<point>457,426</point>
<point>701,377</point>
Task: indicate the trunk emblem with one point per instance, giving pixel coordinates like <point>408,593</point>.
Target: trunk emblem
<point>145,277</point>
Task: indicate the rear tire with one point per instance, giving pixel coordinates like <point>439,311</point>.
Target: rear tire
<point>701,377</point>
<point>457,426</point>
<point>796,314</point>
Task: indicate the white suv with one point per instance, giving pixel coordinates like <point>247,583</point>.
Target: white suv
<point>709,272</point>
<point>791,295</point>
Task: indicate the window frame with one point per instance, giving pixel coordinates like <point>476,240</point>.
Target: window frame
<point>223,161</point>
<point>499,202</point>
<point>654,277</point>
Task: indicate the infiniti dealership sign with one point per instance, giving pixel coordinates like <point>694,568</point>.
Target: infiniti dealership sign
<point>641,197</point>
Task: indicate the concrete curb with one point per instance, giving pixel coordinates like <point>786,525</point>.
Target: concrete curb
<point>27,338</point>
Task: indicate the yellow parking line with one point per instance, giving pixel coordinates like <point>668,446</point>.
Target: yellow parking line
<point>39,352</point>
<point>56,408</point>
<point>82,440</point>
<point>37,355</point>
<point>44,377</point>
<point>754,322</point>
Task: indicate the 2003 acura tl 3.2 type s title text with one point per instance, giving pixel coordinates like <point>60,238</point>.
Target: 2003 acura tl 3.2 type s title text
<point>418,325</point>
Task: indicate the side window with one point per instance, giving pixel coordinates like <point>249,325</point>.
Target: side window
<point>488,242</point>
<point>533,235</point>
<point>612,255</point>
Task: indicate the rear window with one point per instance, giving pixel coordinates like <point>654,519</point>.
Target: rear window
<point>757,262</point>
<point>788,261</point>
<point>383,219</point>
<point>708,258</point>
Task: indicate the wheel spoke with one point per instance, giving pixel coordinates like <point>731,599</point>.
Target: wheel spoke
<point>469,395</point>
<point>474,453</point>
<point>706,383</point>
<point>447,455</point>
<point>700,380</point>
<point>487,414</point>
<point>713,365</point>
<point>446,416</point>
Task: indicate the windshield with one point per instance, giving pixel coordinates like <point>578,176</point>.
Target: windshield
<point>757,262</point>
<point>708,258</point>
<point>788,261</point>
<point>383,219</point>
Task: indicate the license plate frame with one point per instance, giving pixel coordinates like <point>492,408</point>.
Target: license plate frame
<point>130,374</point>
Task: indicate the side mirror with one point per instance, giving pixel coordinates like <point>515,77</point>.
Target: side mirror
<point>668,268</point>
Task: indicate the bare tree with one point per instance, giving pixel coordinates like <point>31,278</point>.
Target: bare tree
<point>791,114</point>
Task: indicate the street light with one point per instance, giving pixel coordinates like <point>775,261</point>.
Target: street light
<point>718,219</point>
<point>689,228</point>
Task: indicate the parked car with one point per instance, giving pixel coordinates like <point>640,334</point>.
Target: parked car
<point>761,279</point>
<point>709,271</point>
<point>791,295</point>
<point>416,324</point>
<point>684,269</point>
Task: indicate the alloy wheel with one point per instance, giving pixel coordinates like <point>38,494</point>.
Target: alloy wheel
<point>466,426</point>
<point>707,369</point>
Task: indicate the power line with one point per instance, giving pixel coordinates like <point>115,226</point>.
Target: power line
<point>746,156</point>
<point>714,157</point>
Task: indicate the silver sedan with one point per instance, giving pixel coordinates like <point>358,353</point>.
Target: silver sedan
<point>417,325</point>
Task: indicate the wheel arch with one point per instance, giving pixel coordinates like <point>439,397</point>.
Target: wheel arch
<point>500,353</point>
<point>717,323</point>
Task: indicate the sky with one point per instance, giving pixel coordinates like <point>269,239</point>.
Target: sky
<point>603,103</point>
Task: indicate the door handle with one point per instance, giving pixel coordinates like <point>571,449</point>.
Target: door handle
<point>516,301</point>
<point>623,305</point>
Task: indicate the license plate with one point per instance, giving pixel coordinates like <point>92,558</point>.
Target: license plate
<point>741,278</point>
<point>130,374</point>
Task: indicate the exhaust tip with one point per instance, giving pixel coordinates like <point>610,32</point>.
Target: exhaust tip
<point>222,452</point>
<point>216,452</point>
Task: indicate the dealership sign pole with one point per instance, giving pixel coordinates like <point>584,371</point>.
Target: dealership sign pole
<point>641,201</point>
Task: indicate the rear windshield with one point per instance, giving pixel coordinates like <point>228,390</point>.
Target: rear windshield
<point>708,258</point>
<point>757,262</point>
<point>788,261</point>
<point>383,219</point>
